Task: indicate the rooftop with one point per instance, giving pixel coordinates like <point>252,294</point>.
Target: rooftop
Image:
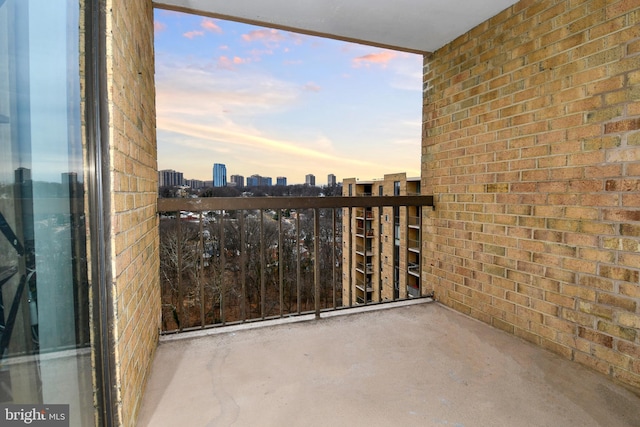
<point>409,363</point>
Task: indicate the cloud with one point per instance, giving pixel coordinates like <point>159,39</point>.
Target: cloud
<point>192,34</point>
<point>204,111</point>
<point>266,35</point>
<point>227,63</point>
<point>296,38</point>
<point>210,25</point>
<point>381,58</point>
<point>249,139</point>
<point>199,89</point>
<point>159,26</point>
<point>312,87</point>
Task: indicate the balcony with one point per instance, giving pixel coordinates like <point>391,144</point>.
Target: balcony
<point>413,244</point>
<point>414,269</point>
<point>365,269</point>
<point>414,221</point>
<point>361,286</point>
<point>312,360</point>
<point>414,364</point>
<point>361,232</point>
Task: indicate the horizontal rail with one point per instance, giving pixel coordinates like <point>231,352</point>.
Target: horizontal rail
<point>248,203</point>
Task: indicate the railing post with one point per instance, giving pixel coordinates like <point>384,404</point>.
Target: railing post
<point>333,256</point>
<point>379,263</point>
<point>298,275</point>
<point>350,256</point>
<point>243,269</point>
<point>280,266</point>
<point>200,254</point>
<point>316,260</point>
<point>223,267</point>
<point>263,280</point>
<point>180,294</point>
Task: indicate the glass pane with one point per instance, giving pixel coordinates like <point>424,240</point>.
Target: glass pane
<point>45,352</point>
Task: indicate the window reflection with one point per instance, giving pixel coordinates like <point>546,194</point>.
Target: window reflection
<point>44,302</point>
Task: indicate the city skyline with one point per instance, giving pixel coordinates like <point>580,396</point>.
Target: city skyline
<point>282,103</point>
<point>169,177</point>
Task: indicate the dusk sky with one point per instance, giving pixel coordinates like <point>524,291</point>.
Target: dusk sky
<point>275,103</point>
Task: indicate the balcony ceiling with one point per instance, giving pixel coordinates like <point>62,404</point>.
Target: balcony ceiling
<point>419,26</point>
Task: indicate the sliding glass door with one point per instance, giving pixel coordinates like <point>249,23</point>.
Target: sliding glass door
<point>45,352</point>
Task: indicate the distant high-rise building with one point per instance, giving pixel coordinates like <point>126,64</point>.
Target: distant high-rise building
<point>281,180</point>
<point>170,178</point>
<point>195,184</point>
<point>253,181</point>
<point>237,180</point>
<point>310,179</point>
<point>390,236</point>
<point>331,180</point>
<point>259,181</point>
<point>219,175</point>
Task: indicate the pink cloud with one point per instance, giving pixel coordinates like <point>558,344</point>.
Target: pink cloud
<point>210,25</point>
<point>159,26</point>
<point>382,58</point>
<point>227,63</point>
<point>266,35</point>
<point>192,34</point>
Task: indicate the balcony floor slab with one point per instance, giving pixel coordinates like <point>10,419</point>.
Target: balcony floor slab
<point>413,365</point>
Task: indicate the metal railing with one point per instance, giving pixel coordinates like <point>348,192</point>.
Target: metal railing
<point>414,221</point>
<point>233,260</point>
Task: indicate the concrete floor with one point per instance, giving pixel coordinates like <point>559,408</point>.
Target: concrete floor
<point>412,365</point>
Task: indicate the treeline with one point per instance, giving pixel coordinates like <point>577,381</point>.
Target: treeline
<point>297,190</point>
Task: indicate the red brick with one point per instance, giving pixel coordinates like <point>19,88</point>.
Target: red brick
<point>596,337</point>
<point>622,126</point>
<point>621,215</point>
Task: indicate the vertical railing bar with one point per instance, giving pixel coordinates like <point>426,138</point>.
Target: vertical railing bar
<point>280,263</point>
<point>180,291</point>
<point>298,275</point>
<point>223,268</point>
<point>316,260</point>
<point>333,256</point>
<point>243,269</point>
<point>419,213</point>
<point>377,272</point>
<point>366,252</point>
<point>263,285</point>
<point>351,248</point>
<point>405,273</point>
<point>200,254</point>
<point>395,261</point>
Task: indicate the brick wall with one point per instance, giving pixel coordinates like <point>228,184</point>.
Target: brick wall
<point>531,147</point>
<point>133,170</point>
